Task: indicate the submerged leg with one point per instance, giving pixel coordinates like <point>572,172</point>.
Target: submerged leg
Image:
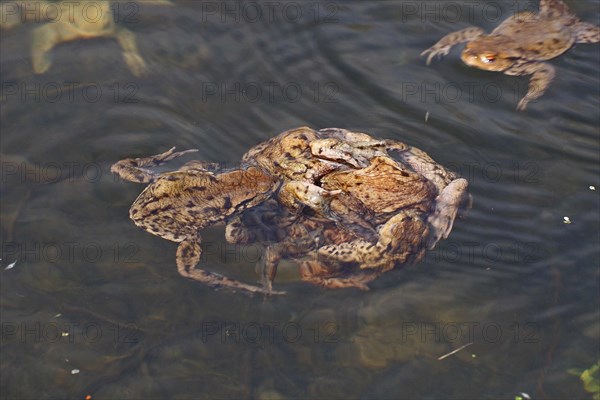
<point>273,254</point>
<point>318,274</point>
<point>442,48</point>
<point>131,169</point>
<point>43,39</point>
<point>188,256</point>
<point>132,56</point>
<point>542,75</point>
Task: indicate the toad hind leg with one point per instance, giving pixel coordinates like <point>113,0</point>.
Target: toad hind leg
<point>131,169</point>
<point>542,75</point>
<point>43,39</point>
<point>442,48</point>
<point>274,253</point>
<point>188,256</point>
<point>132,57</point>
<point>318,274</point>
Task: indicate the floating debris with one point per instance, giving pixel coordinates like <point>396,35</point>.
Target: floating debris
<point>74,371</point>
<point>427,116</point>
<point>592,187</point>
<point>566,220</point>
<point>522,396</point>
<point>11,265</point>
<point>455,351</point>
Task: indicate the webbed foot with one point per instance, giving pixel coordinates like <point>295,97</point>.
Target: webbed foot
<point>442,48</point>
<point>542,75</point>
<point>131,169</point>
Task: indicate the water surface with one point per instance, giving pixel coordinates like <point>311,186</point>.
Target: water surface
<point>95,306</point>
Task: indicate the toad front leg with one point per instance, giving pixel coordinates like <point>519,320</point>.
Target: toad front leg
<point>131,169</point>
<point>442,48</point>
<point>349,213</point>
<point>188,256</point>
<point>542,75</point>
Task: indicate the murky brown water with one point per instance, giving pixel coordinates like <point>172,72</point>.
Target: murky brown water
<point>95,306</point>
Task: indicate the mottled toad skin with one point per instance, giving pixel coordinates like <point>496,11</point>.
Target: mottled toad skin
<point>178,205</point>
<point>377,211</point>
<point>333,200</point>
<point>520,44</point>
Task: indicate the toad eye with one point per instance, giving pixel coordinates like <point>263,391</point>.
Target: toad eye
<point>488,58</point>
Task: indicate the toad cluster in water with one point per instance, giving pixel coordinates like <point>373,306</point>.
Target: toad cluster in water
<point>333,200</point>
<point>520,44</point>
<point>71,20</point>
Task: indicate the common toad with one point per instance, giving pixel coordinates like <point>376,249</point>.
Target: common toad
<point>521,44</point>
<point>178,205</point>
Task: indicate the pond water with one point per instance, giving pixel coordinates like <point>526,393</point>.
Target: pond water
<point>95,306</point>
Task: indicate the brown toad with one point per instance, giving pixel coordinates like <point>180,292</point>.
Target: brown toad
<point>333,196</point>
<point>413,199</point>
<point>290,157</point>
<point>367,208</point>
<point>520,44</point>
<point>177,205</point>
<point>72,20</point>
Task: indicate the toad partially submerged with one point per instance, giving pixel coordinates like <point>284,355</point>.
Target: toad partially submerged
<point>368,212</point>
<point>297,236</point>
<point>178,205</point>
<point>334,200</point>
<point>71,20</point>
<point>521,44</point>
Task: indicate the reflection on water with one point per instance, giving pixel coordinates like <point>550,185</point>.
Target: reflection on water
<point>95,306</point>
